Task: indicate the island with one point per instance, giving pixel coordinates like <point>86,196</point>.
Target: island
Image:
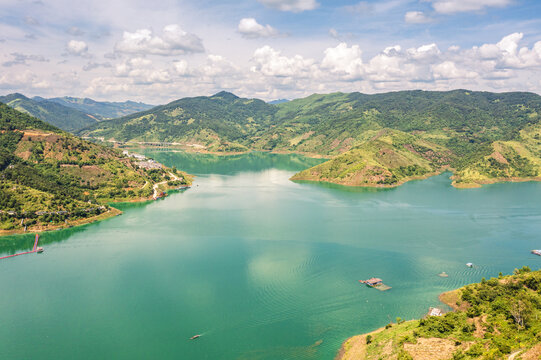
<point>498,318</point>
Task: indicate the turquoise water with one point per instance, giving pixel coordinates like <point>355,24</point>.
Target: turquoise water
<point>262,267</point>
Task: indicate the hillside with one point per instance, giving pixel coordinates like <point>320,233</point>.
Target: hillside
<point>101,109</point>
<point>430,130</point>
<point>51,178</point>
<point>63,117</point>
<point>223,122</point>
<point>492,320</point>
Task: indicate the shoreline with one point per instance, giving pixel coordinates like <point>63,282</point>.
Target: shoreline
<point>471,185</point>
<point>355,346</point>
<point>79,222</point>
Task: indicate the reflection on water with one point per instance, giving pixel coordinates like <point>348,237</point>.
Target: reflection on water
<point>195,163</point>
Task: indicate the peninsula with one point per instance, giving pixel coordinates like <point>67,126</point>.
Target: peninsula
<point>498,318</point>
<point>52,179</point>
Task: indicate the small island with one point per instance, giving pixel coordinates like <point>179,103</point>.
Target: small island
<point>498,318</point>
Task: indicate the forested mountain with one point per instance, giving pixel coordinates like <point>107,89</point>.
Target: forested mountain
<point>50,176</point>
<point>221,122</point>
<point>100,109</point>
<point>55,114</point>
<point>385,138</point>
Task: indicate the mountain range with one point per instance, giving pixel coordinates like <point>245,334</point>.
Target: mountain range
<point>375,140</point>
<point>69,113</point>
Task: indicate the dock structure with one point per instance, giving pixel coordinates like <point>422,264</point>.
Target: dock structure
<point>375,283</point>
<point>35,249</point>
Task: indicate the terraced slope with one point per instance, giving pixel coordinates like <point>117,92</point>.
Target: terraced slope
<point>50,176</point>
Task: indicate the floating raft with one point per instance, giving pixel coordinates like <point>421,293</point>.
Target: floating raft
<point>375,283</point>
<point>536,252</point>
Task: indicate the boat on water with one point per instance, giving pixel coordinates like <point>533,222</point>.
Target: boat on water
<point>536,252</point>
<point>195,337</point>
<point>470,265</point>
<point>39,250</point>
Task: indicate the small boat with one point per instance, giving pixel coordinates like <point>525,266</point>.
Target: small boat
<point>469,265</point>
<point>195,337</point>
<point>536,252</point>
<point>39,250</point>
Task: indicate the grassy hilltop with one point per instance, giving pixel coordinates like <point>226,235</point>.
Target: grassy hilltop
<point>50,177</point>
<point>375,140</point>
<point>492,320</point>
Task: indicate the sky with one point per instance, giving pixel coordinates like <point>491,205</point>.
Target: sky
<point>159,51</point>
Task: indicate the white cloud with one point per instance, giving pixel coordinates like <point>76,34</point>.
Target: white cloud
<point>449,70</point>
<point>181,67</point>
<point>345,60</point>
<point>416,17</point>
<point>77,48</point>
<point>291,5</point>
<point>456,6</point>
<point>173,41</point>
<point>75,31</point>
<point>251,29</point>
<point>270,62</point>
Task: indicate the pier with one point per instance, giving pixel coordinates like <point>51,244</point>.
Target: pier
<point>34,250</point>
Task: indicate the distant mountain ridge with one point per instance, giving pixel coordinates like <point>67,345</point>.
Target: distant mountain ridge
<point>377,140</point>
<point>101,109</point>
<point>63,117</point>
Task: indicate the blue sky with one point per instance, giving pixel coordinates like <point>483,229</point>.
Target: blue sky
<point>157,52</point>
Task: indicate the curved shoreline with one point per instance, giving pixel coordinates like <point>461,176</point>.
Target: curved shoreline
<point>353,348</point>
<point>79,222</point>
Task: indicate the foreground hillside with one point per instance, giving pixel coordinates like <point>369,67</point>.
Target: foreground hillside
<point>495,319</point>
<point>63,117</point>
<point>50,177</point>
<point>376,140</point>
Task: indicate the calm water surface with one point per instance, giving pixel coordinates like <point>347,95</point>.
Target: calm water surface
<point>263,267</point>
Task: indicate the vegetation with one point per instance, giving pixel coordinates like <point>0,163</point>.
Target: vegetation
<point>381,139</point>
<point>493,319</point>
<point>50,177</point>
<point>101,109</point>
<point>55,114</point>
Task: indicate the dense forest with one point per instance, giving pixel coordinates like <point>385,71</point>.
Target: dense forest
<point>376,140</point>
<point>50,176</point>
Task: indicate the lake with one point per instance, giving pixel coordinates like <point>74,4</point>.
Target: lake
<point>262,267</point>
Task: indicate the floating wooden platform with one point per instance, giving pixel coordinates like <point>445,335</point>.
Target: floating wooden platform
<point>34,250</point>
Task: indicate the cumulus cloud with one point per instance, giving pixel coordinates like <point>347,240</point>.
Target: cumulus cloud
<point>456,6</point>
<point>142,71</point>
<point>77,48</point>
<point>291,5</point>
<point>251,29</point>
<point>25,80</point>
<point>270,62</point>
<point>449,70</point>
<point>345,60</point>
<point>23,59</point>
<point>172,41</point>
<point>416,17</point>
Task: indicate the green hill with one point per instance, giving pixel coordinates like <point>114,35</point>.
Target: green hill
<point>223,122</point>
<point>55,114</point>
<point>430,131</point>
<point>100,109</point>
<point>498,318</point>
<point>50,177</point>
